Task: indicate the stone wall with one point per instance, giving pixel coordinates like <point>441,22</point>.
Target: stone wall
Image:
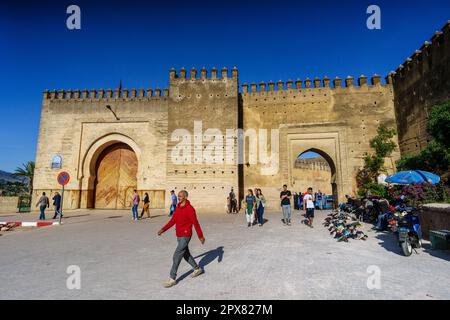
<point>337,121</point>
<point>314,173</point>
<point>422,81</point>
<point>78,126</point>
<point>8,204</point>
<point>434,216</point>
<point>172,131</point>
<point>202,108</point>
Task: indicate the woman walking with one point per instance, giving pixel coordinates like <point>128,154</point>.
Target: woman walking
<point>260,204</point>
<point>146,208</point>
<point>250,202</point>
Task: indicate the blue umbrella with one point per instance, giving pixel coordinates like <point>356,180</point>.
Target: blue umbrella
<point>412,177</point>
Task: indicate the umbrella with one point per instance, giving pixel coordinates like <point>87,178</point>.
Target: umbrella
<point>412,177</point>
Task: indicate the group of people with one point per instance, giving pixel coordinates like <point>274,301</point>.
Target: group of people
<point>254,206</point>
<point>255,202</point>
<point>44,203</point>
<point>320,199</point>
<point>307,203</point>
<point>135,206</point>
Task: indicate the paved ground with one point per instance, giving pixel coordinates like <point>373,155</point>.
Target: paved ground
<point>122,259</point>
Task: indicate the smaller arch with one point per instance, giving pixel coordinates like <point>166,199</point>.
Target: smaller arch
<point>56,162</point>
<point>331,164</point>
<point>324,155</point>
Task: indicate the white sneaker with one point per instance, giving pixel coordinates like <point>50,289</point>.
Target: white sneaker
<point>170,283</point>
<point>197,272</point>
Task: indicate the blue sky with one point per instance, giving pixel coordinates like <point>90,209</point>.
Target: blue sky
<point>139,42</point>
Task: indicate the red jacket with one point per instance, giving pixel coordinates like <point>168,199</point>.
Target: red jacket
<point>184,217</point>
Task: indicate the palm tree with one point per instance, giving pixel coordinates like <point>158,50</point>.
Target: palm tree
<point>26,171</point>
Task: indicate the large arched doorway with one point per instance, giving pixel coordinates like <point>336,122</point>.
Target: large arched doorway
<point>315,168</point>
<point>115,177</point>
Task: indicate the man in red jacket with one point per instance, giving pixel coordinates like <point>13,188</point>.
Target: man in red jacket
<point>184,218</point>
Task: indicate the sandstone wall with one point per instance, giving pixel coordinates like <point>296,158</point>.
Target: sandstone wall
<point>210,101</point>
<point>78,126</point>
<point>336,122</point>
<point>203,112</point>
<point>314,173</point>
<point>419,83</point>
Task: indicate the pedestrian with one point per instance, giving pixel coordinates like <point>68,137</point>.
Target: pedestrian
<point>285,197</point>
<point>295,201</point>
<point>260,204</point>
<point>324,201</point>
<point>232,202</point>
<point>319,197</point>
<point>146,207</point>
<point>300,201</point>
<point>250,204</point>
<point>43,203</point>
<point>135,204</point>
<point>184,217</point>
<point>308,203</point>
<point>57,204</point>
<point>174,202</point>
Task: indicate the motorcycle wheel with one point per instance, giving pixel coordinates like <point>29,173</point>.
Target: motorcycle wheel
<point>407,248</point>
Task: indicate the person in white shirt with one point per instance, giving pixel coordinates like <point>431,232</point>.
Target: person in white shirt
<point>308,203</point>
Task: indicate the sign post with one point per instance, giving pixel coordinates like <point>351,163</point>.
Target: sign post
<point>63,179</point>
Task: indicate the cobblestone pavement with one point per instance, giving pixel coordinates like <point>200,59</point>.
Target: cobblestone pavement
<point>122,259</point>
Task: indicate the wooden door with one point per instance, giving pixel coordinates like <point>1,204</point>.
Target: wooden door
<point>116,177</point>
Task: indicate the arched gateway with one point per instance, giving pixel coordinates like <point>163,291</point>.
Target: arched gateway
<point>116,170</point>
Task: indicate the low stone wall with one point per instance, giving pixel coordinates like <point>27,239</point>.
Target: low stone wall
<point>434,216</point>
<point>8,204</point>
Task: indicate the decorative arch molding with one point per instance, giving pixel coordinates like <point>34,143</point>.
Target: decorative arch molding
<point>329,141</point>
<point>96,148</point>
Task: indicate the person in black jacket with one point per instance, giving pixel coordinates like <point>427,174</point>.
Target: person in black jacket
<point>57,204</point>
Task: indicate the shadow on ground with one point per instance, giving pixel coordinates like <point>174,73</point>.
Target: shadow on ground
<point>80,215</point>
<point>208,257</point>
<point>390,243</point>
<point>442,254</point>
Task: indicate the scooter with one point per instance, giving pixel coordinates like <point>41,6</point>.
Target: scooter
<point>409,231</point>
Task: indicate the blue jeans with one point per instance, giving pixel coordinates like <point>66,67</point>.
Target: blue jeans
<point>381,220</point>
<point>135,211</point>
<point>182,251</point>
<point>42,216</point>
<point>286,213</point>
<point>320,204</point>
<point>260,212</point>
<point>172,209</point>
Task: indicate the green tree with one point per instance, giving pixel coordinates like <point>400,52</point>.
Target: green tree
<point>436,156</point>
<point>383,147</point>
<point>439,124</point>
<point>26,171</point>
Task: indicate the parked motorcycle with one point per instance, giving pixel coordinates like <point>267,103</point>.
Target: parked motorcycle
<point>409,231</point>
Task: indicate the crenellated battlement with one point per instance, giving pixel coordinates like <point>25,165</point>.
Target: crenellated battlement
<point>105,94</point>
<point>425,57</point>
<point>316,83</point>
<point>213,74</point>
